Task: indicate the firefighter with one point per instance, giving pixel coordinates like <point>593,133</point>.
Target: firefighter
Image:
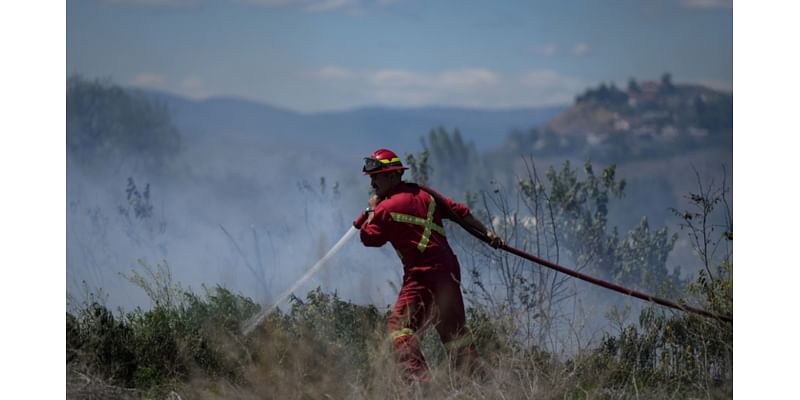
<point>409,218</point>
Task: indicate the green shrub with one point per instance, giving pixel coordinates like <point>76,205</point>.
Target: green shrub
<point>157,348</point>
<point>104,343</point>
<point>324,347</point>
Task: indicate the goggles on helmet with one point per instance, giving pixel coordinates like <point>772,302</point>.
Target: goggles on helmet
<point>374,164</point>
<point>371,165</point>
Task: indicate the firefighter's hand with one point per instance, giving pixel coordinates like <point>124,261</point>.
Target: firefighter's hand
<point>495,240</point>
<point>373,201</point>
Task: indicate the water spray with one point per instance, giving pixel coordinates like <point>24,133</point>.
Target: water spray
<point>252,323</point>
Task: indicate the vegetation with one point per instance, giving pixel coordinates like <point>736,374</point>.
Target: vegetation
<point>107,126</point>
<point>181,335</point>
<point>323,347</point>
<point>529,323</point>
<point>447,160</point>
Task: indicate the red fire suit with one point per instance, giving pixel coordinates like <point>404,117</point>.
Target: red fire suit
<point>411,221</point>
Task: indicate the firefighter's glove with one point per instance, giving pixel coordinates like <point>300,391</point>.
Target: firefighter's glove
<point>495,240</point>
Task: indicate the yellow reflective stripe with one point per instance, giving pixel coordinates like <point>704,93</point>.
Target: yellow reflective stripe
<point>426,235</point>
<point>396,159</point>
<point>410,219</point>
<point>427,223</point>
<point>401,333</point>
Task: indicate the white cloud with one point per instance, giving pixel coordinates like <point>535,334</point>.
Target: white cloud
<point>546,79</point>
<point>478,87</point>
<point>456,79</point>
<point>466,78</point>
<point>397,78</point>
<point>707,4</point>
<point>149,80</point>
<point>581,49</point>
<point>275,3</point>
<point>154,3</point>
<point>353,7</point>
<point>193,86</point>
<point>546,86</point>
<point>546,50</point>
<point>333,72</point>
<point>307,5</point>
<point>552,49</point>
<point>327,5</point>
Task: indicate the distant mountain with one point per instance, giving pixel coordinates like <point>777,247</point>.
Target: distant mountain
<point>400,128</point>
<point>647,120</point>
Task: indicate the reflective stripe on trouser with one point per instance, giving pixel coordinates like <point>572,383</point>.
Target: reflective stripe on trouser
<point>401,333</point>
<point>430,297</point>
<point>408,357</point>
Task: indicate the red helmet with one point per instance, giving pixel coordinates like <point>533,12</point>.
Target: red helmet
<point>382,160</point>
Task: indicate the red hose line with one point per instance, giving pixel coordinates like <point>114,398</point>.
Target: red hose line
<point>573,273</point>
<point>615,287</point>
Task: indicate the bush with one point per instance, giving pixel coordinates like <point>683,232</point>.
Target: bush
<point>104,342</point>
<point>155,349</point>
<point>324,347</point>
<point>692,353</point>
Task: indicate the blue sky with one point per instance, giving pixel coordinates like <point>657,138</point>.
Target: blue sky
<point>314,55</point>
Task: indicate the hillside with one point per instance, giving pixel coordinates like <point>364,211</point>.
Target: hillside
<point>657,109</point>
<point>363,129</point>
<point>652,119</point>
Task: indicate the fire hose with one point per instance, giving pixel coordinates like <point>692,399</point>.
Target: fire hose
<point>588,278</point>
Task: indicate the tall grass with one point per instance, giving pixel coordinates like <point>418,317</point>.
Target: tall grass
<point>190,345</point>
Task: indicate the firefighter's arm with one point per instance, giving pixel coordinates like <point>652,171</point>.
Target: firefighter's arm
<point>372,232</point>
<point>462,211</point>
<point>373,202</point>
<point>496,241</point>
